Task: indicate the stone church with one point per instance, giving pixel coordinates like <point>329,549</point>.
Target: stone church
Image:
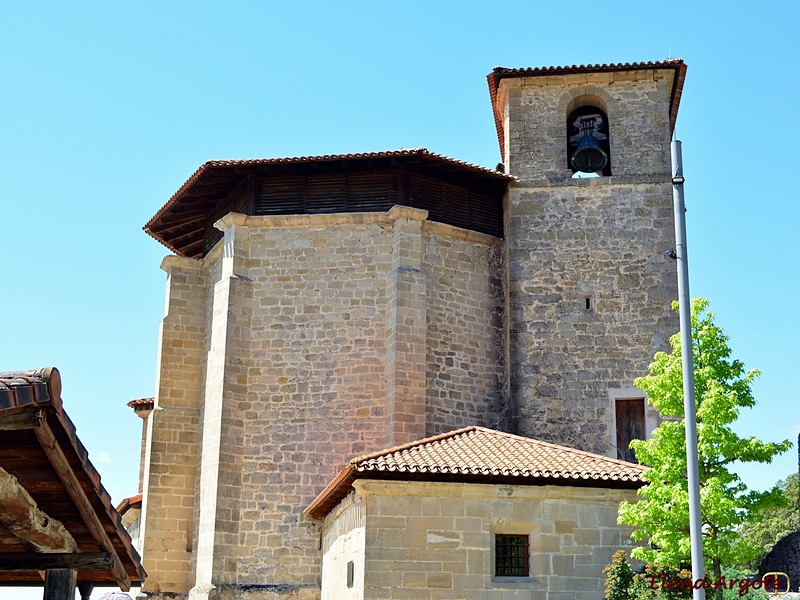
<point>400,375</point>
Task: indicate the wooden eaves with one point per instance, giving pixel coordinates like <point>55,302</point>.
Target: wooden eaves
<point>55,516</point>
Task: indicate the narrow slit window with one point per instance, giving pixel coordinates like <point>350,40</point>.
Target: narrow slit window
<point>351,571</point>
<point>587,303</point>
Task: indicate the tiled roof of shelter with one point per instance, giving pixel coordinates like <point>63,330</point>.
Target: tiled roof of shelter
<point>180,224</point>
<point>40,448</point>
<point>499,73</point>
<point>21,388</point>
<point>129,503</point>
<point>480,454</point>
<point>141,403</point>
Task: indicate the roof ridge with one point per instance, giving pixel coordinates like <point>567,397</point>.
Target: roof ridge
<point>493,432</point>
<point>534,441</point>
<point>668,62</point>
<point>409,445</point>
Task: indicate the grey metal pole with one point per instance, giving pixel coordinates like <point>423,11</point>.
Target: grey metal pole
<point>690,419</point>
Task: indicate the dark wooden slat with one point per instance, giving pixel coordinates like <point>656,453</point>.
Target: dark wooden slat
<point>178,225</point>
<point>178,220</point>
<point>29,561</point>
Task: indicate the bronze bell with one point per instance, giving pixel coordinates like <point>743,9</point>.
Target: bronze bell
<point>588,157</point>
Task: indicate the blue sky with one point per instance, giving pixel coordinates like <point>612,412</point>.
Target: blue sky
<point>106,109</point>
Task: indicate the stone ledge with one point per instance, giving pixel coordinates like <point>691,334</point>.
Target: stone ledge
<point>171,261</point>
<point>561,182</point>
<point>459,233</point>
<point>490,490</point>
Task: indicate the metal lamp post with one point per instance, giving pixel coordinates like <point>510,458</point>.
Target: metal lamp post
<point>690,416</point>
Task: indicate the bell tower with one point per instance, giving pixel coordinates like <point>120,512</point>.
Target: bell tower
<point>589,217</point>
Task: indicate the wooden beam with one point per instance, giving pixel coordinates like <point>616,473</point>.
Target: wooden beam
<point>25,418</point>
<point>20,514</point>
<point>84,506</point>
<point>59,584</point>
<point>30,561</point>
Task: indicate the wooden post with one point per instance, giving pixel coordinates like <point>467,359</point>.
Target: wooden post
<point>85,590</point>
<point>59,584</point>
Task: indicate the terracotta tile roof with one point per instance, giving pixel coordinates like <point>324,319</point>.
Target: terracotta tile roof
<point>180,222</point>
<point>21,388</point>
<point>22,455</point>
<point>499,73</point>
<point>129,503</point>
<point>141,403</point>
<point>479,454</point>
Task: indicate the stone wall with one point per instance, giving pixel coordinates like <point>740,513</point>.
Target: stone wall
<point>319,338</point>
<point>465,345</point>
<point>173,430</point>
<point>599,240</point>
<point>637,105</point>
<point>427,540</point>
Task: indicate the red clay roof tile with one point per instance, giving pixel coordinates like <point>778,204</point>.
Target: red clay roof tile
<point>474,453</point>
<point>141,403</point>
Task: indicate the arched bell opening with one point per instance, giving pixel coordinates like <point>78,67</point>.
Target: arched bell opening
<point>588,147</point>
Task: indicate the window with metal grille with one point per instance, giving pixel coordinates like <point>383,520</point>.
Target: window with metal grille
<point>511,555</point>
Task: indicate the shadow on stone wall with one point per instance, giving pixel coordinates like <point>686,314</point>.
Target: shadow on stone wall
<point>784,557</point>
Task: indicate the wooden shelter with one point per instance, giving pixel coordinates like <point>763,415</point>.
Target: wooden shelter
<point>58,527</point>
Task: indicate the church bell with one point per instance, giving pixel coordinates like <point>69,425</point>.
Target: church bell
<point>589,157</point>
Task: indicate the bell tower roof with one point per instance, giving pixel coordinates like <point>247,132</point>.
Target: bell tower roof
<point>575,71</point>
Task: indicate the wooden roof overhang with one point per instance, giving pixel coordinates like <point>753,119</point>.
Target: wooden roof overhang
<point>183,223</point>
<point>39,447</point>
<point>499,73</point>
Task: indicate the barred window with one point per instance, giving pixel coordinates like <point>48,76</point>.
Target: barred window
<point>511,555</point>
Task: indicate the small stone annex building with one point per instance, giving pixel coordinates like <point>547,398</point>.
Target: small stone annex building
<point>483,325</point>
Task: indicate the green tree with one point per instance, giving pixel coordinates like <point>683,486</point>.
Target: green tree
<point>766,528</point>
<point>722,389</point>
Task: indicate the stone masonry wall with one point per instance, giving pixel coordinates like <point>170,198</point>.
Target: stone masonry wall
<point>173,430</point>
<point>429,540</point>
<point>316,383</point>
<point>312,329</point>
<point>605,242</point>
<point>600,239</point>
<point>637,106</point>
<point>465,351</point>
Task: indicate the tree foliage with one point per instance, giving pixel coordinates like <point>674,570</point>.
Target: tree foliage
<point>623,583</point>
<point>652,582</point>
<point>766,528</point>
<point>722,389</point>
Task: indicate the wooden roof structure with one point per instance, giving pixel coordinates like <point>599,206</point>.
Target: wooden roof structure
<point>453,191</point>
<point>55,515</point>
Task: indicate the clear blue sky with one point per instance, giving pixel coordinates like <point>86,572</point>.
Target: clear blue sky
<point>105,110</point>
